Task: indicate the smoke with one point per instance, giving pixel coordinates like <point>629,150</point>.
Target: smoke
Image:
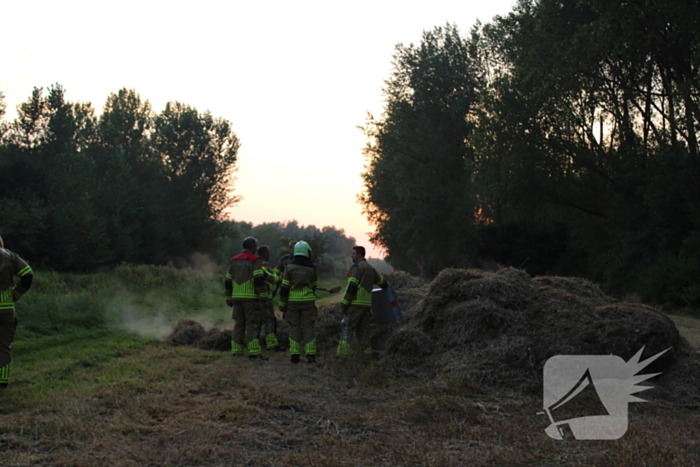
<point>154,313</point>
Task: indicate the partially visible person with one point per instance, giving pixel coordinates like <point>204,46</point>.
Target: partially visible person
<point>357,302</point>
<point>298,303</point>
<point>245,285</point>
<point>267,316</point>
<point>15,279</point>
<point>284,260</point>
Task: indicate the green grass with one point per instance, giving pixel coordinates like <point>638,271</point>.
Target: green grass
<point>74,328</point>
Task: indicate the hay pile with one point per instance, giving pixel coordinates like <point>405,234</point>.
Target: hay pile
<point>499,329</point>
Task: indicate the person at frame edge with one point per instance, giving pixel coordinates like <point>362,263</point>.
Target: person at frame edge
<point>11,266</point>
<point>357,303</point>
<point>267,312</point>
<point>298,303</point>
<point>245,291</point>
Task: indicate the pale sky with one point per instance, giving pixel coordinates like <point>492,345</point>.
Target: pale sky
<point>295,79</point>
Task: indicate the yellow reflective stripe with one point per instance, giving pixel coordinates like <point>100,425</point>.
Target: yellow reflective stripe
<point>6,300</point>
<point>5,373</point>
<point>24,271</point>
<point>244,290</point>
<point>304,294</point>
<point>310,347</point>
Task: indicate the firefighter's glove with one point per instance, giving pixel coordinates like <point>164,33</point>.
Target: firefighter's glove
<point>384,285</point>
<point>283,308</point>
<point>229,302</point>
<point>345,309</point>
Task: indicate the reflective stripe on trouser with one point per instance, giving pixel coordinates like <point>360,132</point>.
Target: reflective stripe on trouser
<point>246,314</point>
<point>294,347</point>
<point>5,374</point>
<point>254,347</point>
<point>310,347</point>
<point>356,322</point>
<point>271,341</point>
<point>302,320</point>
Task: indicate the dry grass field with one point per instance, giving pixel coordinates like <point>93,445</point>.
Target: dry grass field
<point>164,405</point>
<point>190,407</point>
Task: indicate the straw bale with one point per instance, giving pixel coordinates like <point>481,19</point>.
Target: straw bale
<point>577,286</point>
<point>186,332</point>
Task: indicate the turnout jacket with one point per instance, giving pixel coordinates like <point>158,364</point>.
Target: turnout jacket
<point>299,281</point>
<point>271,277</point>
<point>361,280</point>
<point>12,265</point>
<point>245,278</point>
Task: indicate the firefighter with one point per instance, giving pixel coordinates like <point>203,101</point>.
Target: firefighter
<point>357,302</point>
<point>11,267</point>
<point>285,260</point>
<point>267,316</point>
<point>245,289</point>
<point>298,302</point>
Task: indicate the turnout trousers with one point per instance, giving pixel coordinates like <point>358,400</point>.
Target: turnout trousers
<point>8,329</point>
<point>356,322</point>
<point>246,329</point>
<point>302,322</point>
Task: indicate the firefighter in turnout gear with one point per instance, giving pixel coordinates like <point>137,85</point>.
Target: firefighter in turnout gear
<point>267,316</point>
<point>298,302</point>
<point>357,302</point>
<point>245,285</point>
<point>11,290</point>
<point>285,260</point>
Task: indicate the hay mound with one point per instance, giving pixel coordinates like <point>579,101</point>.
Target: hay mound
<point>186,332</point>
<point>402,280</point>
<point>216,339</point>
<point>499,329</point>
<point>576,286</point>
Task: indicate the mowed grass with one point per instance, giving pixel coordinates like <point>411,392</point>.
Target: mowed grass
<point>103,394</point>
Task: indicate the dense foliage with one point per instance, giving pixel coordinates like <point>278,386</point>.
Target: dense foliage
<point>80,192</point>
<point>562,137</point>
<point>330,246</point>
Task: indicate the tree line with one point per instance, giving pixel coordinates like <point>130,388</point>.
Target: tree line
<point>81,192</point>
<point>561,138</point>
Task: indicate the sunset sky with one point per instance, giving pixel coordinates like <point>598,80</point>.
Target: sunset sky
<point>295,79</point>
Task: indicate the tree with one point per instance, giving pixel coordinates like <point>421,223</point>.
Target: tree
<point>417,178</point>
<point>593,125</point>
<point>198,153</point>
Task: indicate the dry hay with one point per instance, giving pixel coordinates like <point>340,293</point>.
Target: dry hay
<point>186,332</point>
<point>499,329</point>
<point>400,280</point>
<point>576,286</point>
<point>216,339</point>
<point>328,328</point>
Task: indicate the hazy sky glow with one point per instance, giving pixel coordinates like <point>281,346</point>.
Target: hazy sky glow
<point>295,79</point>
